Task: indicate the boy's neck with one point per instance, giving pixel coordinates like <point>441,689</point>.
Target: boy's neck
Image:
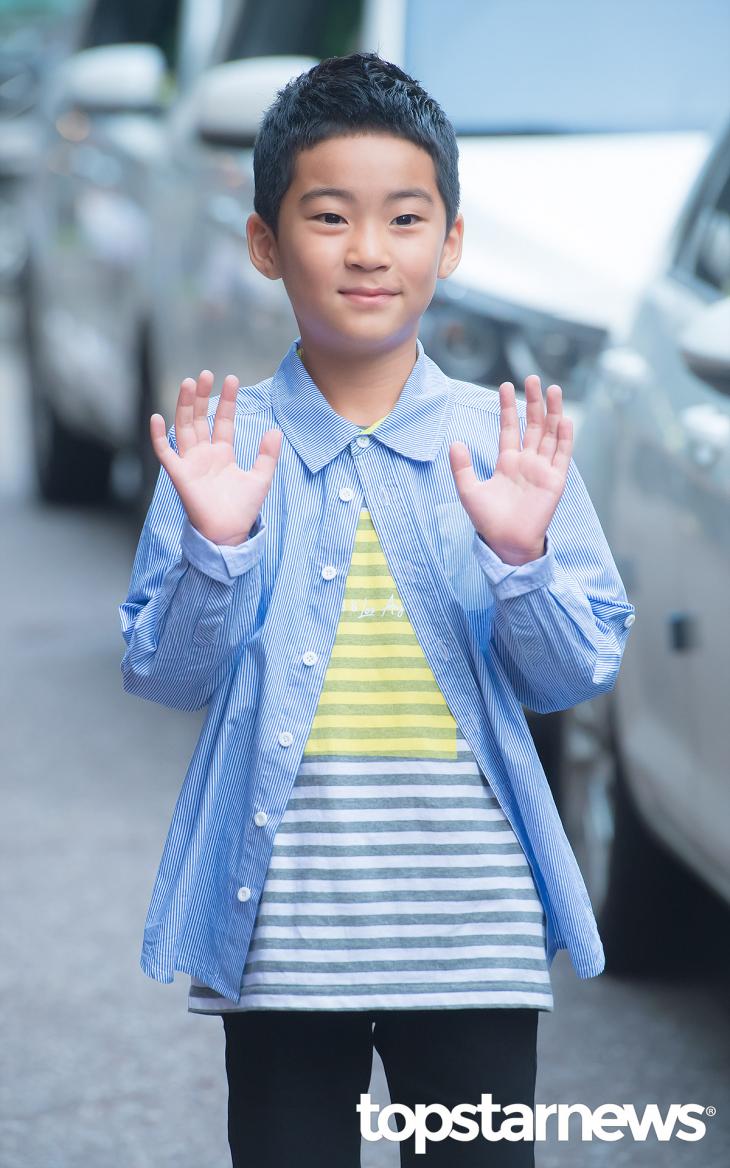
<point>361,388</point>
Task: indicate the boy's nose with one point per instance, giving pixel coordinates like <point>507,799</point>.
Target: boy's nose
<point>368,247</point>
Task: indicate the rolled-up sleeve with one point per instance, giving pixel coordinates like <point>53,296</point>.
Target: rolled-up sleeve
<point>218,560</point>
<point>191,604</point>
<point>560,622</point>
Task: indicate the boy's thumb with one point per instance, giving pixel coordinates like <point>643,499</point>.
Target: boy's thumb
<point>461,467</point>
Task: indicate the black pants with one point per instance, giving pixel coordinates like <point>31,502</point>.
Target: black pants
<point>295,1077</point>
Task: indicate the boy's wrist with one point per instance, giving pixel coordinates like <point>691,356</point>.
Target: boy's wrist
<point>516,557</point>
<point>233,540</point>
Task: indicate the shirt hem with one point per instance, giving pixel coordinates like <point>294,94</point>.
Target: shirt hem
<point>337,1009</point>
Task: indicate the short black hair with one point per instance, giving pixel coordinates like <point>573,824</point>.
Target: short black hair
<point>349,95</point>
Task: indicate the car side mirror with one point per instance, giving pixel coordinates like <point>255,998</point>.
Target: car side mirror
<point>113,79</point>
<point>230,100</point>
<point>704,345</point>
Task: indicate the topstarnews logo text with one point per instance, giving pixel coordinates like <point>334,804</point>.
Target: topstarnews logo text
<point>609,1121</point>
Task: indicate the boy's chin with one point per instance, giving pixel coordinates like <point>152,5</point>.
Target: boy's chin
<point>347,337</point>
<point>365,345</point>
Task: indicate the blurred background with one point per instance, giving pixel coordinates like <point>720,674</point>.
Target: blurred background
<point>595,167</point>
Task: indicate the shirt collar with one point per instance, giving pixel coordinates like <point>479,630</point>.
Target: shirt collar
<point>414,427</point>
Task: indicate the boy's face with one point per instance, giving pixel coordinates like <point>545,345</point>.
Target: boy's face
<point>362,237</point>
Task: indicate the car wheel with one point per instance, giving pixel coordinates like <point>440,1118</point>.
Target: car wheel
<point>70,468</point>
<point>639,891</point>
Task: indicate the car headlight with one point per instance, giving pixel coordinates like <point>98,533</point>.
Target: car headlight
<point>477,338</point>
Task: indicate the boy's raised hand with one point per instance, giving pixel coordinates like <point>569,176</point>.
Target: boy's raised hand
<point>512,509</point>
<point>222,500</point>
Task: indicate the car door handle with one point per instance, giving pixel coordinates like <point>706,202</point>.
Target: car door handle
<point>706,431</point>
<point>623,372</point>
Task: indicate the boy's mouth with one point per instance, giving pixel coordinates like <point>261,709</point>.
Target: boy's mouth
<point>368,295</point>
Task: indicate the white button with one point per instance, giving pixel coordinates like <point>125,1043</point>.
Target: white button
<point>260,818</point>
<point>363,439</point>
<point>328,571</point>
<point>629,620</point>
<point>347,494</point>
<point>286,738</point>
<point>310,658</point>
<point>243,893</point>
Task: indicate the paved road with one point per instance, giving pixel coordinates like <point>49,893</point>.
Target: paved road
<point>101,1067</point>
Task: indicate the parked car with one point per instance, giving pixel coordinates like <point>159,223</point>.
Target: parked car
<point>83,288</point>
<point>644,781</point>
<point>32,41</point>
<point>139,274</point>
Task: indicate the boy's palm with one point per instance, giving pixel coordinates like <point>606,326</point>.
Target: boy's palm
<point>221,500</point>
<point>512,509</point>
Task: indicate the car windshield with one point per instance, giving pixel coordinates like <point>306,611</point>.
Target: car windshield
<point>572,66</point>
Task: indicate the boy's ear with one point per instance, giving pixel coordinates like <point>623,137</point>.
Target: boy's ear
<point>451,251</point>
<point>262,247</point>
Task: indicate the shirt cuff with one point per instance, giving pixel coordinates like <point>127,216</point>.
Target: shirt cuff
<point>221,562</point>
<point>513,579</point>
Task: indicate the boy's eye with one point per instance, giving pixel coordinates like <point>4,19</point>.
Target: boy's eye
<point>334,215</point>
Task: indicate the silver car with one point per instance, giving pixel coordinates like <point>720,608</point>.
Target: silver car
<point>644,783</point>
<point>84,285</point>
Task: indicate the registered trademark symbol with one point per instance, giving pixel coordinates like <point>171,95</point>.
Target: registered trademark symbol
<point>710,1110</point>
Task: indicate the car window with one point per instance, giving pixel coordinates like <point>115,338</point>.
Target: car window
<point>313,28</point>
<point>135,22</point>
<point>703,248</point>
<point>713,242</point>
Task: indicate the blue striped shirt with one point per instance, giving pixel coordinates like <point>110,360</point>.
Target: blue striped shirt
<point>247,631</point>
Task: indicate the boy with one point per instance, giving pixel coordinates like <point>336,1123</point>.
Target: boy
<point>365,850</point>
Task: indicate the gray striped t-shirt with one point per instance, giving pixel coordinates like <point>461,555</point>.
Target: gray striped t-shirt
<point>393,883</point>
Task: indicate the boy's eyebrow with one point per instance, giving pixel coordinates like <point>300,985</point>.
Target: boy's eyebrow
<point>339,193</point>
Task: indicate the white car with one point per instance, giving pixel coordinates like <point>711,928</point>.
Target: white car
<point>645,784</point>
<point>83,288</point>
<point>577,150</point>
<point>32,42</point>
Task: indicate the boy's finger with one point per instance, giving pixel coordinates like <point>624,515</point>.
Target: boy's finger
<point>461,467</point>
<point>268,455</point>
<point>509,423</point>
<point>535,413</point>
<point>160,443</point>
<point>564,450</point>
<point>200,405</point>
<point>549,439</point>
<point>184,428</point>
<point>224,424</point>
